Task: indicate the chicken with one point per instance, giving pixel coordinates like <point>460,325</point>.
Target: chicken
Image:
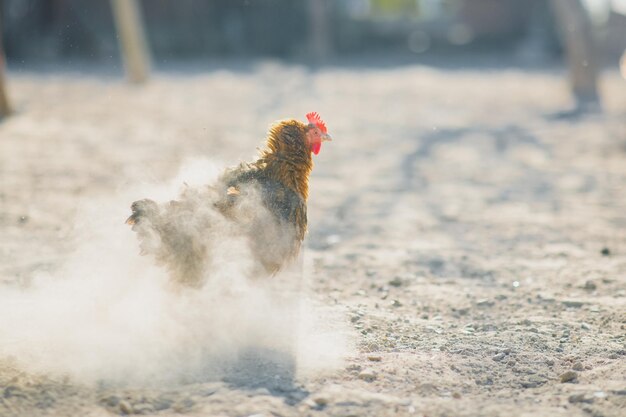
<point>262,202</point>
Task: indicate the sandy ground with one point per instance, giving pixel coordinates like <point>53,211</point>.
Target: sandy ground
<point>472,239</point>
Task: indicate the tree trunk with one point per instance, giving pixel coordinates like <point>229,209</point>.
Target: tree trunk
<point>132,39</point>
<point>319,29</point>
<point>575,29</point>
<point>5,108</point>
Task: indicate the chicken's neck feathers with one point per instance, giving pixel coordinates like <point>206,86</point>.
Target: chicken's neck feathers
<point>286,156</point>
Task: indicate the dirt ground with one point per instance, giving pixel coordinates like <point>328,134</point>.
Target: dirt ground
<point>471,233</point>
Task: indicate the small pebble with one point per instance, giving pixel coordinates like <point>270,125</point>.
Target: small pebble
<point>321,401</point>
<point>499,356</point>
<point>578,366</point>
<point>572,303</point>
<point>456,395</point>
<point>428,388</point>
<point>367,375</point>
<point>462,311</point>
<point>585,326</point>
<point>374,358</point>
<point>580,398</point>
<point>125,408</point>
<point>605,251</point>
<point>396,282</point>
<point>485,381</point>
<point>568,376</point>
<point>590,286</point>
<point>396,303</point>
<point>485,302</point>
<point>533,382</point>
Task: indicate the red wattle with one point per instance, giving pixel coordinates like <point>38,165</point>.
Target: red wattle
<point>315,148</point>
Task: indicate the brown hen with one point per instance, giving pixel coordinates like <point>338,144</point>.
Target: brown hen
<point>263,203</point>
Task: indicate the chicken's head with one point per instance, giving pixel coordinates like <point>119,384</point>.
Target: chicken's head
<point>316,132</point>
<point>291,137</point>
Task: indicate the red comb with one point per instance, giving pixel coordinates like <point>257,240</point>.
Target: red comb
<point>315,119</point>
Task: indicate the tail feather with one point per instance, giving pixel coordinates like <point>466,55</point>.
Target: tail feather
<point>141,209</point>
<point>164,231</point>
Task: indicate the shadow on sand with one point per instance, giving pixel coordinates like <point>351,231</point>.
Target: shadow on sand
<point>260,368</point>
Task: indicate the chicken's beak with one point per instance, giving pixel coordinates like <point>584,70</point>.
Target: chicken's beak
<point>326,138</point>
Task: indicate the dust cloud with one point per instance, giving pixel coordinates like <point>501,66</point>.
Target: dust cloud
<point>108,315</point>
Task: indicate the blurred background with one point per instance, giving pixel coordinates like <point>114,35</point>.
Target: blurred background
<point>37,31</point>
<point>41,34</point>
